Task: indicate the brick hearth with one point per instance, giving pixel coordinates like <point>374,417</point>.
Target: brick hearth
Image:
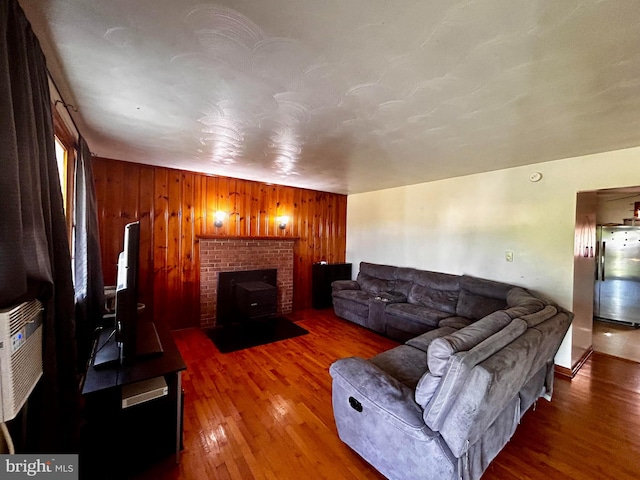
<point>227,254</point>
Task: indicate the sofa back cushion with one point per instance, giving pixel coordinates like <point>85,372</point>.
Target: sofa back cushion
<point>534,319</point>
<point>520,302</point>
<point>384,272</point>
<point>458,368</point>
<point>484,287</point>
<point>475,306</point>
<point>490,387</point>
<point>404,280</point>
<point>425,389</point>
<point>443,300</point>
<point>374,285</point>
<point>435,290</point>
<point>428,383</point>
<point>441,349</point>
<point>479,297</point>
<point>374,278</point>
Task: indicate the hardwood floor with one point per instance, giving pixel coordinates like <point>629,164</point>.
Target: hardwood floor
<point>265,413</point>
<point>616,339</point>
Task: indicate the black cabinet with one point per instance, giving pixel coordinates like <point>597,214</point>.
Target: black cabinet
<point>321,278</point>
<point>118,440</point>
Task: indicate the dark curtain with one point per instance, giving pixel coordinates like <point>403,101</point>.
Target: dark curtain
<point>34,249</point>
<point>88,281</point>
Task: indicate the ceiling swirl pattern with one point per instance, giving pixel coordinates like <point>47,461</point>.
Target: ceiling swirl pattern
<point>346,96</point>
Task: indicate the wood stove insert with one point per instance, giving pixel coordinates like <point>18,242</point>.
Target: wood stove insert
<point>246,295</point>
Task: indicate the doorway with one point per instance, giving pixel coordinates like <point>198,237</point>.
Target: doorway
<point>617,206</point>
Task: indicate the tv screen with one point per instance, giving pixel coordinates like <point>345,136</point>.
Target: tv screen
<point>131,337</point>
<point>127,292</point>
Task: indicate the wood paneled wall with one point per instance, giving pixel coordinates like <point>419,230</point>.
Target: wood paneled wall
<point>174,207</point>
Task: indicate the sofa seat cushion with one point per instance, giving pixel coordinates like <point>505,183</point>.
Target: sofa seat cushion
<point>406,314</point>
<point>455,322</point>
<point>391,297</point>
<point>357,296</point>
<point>422,342</point>
<point>406,364</point>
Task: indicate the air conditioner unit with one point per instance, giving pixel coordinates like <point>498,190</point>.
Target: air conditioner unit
<point>20,355</point>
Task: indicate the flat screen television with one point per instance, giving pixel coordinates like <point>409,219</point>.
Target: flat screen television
<point>131,336</point>
<point>127,293</point>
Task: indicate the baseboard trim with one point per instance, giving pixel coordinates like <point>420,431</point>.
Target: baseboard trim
<point>571,372</point>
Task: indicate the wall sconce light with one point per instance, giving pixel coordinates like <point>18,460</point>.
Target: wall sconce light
<point>636,207</point>
<point>282,222</point>
<point>219,218</point>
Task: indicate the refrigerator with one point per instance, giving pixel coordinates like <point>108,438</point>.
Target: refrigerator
<point>617,284</point>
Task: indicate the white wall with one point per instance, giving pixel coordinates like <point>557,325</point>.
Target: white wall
<point>466,224</point>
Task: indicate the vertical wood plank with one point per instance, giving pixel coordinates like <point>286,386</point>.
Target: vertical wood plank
<point>199,204</point>
<point>234,208</point>
<point>254,215</point>
<point>174,250</point>
<point>224,204</point>
<point>189,296</point>
<point>160,240</point>
<point>113,221</point>
<point>211,201</point>
<point>145,215</point>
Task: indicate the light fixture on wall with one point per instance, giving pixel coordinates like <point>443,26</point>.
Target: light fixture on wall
<point>219,218</point>
<point>282,222</point>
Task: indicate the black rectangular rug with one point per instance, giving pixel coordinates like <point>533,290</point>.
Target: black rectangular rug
<point>252,333</point>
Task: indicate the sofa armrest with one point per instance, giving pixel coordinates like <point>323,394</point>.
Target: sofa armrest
<point>338,285</point>
<point>372,387</point>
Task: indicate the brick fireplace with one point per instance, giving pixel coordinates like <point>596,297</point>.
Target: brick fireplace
<point>229,254</point>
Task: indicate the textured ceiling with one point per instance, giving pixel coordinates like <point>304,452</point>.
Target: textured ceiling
<point>346,95</point>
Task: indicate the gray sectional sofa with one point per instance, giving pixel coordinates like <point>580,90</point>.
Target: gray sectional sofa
<point>476,356</point>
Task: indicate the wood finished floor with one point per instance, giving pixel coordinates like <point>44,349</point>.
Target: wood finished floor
<point>265,413</point>
<point>616,339</point>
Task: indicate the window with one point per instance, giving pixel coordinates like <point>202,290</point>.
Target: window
<point>66,158</point>
<point>61,157</point>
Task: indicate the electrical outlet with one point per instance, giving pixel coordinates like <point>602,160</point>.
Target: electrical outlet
<point>508,256</point>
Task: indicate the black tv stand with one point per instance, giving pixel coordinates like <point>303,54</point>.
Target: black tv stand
<point>148,342</point>
<point>107,350</point>
<point>114,432</point>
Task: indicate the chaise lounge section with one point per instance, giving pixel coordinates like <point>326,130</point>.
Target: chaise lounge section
<point>445,402</point>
